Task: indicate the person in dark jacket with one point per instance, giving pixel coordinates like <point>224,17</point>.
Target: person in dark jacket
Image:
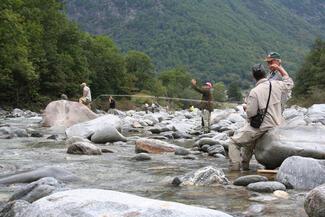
<point>112,105</point>
<point>206,104</point>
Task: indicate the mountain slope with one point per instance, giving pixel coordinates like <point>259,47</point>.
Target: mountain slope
<point>215,39</point>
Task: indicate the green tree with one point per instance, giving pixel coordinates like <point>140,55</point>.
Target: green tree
<point>219,92</point>
<point>310,80</point>
<point>234,93</point>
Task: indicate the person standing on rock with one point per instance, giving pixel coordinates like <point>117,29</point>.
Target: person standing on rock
<point>205,105</point>
<point>112,105</point>
<point>273,61</point>
<point>86,95</point>
<point>265,96</point>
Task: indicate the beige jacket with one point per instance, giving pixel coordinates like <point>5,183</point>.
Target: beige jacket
<point>258,96</point>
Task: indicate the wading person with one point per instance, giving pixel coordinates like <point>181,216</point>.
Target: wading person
<point>205,105</point>
<point>86,95</point>
<point>263,113</point>
<point>273,61</point>
<point>112,105</point>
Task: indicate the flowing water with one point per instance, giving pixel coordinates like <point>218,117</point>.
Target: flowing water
<point>116,171</point>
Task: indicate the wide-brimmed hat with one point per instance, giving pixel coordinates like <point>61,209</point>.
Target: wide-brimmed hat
<point>272,56</point>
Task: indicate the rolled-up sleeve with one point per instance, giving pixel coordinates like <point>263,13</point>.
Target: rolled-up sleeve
<point>286,84</point>
<point>252,105</point>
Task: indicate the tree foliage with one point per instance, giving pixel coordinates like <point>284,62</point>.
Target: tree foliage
<point>310,80</point>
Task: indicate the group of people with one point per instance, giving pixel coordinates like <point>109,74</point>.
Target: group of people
<point>263,106</point>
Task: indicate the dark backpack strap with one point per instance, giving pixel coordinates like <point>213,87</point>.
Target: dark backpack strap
<point>268,100</point>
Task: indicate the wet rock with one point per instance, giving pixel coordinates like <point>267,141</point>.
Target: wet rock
<point>315,202</point>
<point>281,194</point>
<point>154,146</point>
<point>269,186</point>
<point>105,150</point>
<point>9,132</point>
<point>84,148</point>
<point>204,176</point>
<point>216,149</point>
<point>27,177</point>
<point>182,151</point>
<point>141,157</point>
<point>53,137</point>
<point>280,143</point>
<point>246,180</point>
<point>189,157</point>
<point>66,113</point>
<point>36,190</point>
<point>14,208</point>
<point>95,202</point>
<point>294,112</point>
<point>17,113</point>
<point>207,141</point>
<point>75,139</point>
<point>220,156</point>
<point>255,210</point>
<point>205,148</point>
<point>136,124</point>
<point>302,173</point>
<point>36,134</point>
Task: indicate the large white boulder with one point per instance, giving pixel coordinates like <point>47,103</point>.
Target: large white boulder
<point>66,113</point>
<point>95,202</point>
<point>100,130</point>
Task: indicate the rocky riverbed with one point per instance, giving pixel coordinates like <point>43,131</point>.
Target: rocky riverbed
<point>176,161</point>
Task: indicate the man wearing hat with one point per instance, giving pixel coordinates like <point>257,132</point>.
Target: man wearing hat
<point>273,61</point>
<point>205,105</point>
<point>86,95</point>
<point>265,95</point>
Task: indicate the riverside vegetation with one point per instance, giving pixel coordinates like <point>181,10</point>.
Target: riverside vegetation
<point>43,55</point>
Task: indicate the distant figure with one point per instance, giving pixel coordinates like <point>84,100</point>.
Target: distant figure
<point>112,105</point>
<point>191,109</point>
<point>86,95</point>
<point>64,97</point>
<point>273,61</point>
<point>153,107</point>
<point>146,108</point>
<point>206,104</point>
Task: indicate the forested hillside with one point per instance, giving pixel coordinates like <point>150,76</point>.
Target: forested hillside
<point>215,39</point>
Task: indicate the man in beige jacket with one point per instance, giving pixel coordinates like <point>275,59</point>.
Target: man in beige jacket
<point>243,142</point>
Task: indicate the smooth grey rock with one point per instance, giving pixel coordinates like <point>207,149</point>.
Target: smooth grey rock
<point>107,134</point>
<point>75,139</point>
<point>95,202</point>
<point>14,208</point>
<point>205,148</point>
<point>17,113</point>
<point>207,141</point>
<point>216,149</point>
<point>27,177</point>
<point>316,112</point>
<point>302,173</point>
<point>280,143</point>
<point>8,132</point>
<point>36,190</point>
<point>255,210</point>
<point>84,148</point>
<point>182,151</point>
<point>141,157</point>
<point>246,180</point>
<point>268,186</point>
<point>66,113</point>
<point>220,156</point>
<point>204,176</point>
<point>87,129</point>
<point>315,202</point>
